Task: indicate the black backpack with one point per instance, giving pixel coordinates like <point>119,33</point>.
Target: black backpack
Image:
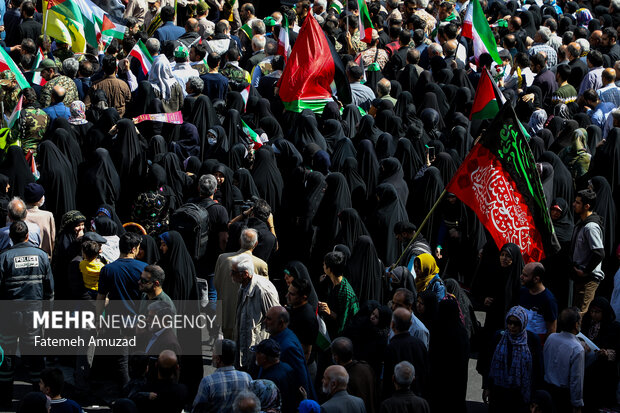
<point>192,222</point>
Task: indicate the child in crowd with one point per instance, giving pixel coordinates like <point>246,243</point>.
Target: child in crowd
<point>91,266</point>
<point>51,384</point>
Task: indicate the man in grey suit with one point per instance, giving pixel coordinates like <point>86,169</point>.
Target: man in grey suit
<point>335,381</point>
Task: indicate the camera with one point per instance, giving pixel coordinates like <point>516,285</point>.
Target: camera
<point>248,203</point>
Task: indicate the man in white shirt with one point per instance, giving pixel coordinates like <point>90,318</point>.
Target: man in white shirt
<point>182,69</point>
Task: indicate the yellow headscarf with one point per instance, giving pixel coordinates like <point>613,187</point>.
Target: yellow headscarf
<point>429,270</point>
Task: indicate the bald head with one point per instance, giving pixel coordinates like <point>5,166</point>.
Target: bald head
<point>449,47</point>
<point>384,87</point>
<point>532,275</point>
<point>335,379</point>
<point>401,320</point>
<point>595,38</point>
<point>167,364</point>
<point>276,320</point>
<point>608,76</point>
<point>191,25</point>
<point>17,210</point>
<point>342,350</point>
<point>58,94</point>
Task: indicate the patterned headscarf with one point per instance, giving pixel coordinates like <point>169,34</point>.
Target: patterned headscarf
<point>517,374</point>
<point>71,219</point>
<point>268,394</point>
<point>583,17</point>
<point>537,120</point>
<point>78,113</point>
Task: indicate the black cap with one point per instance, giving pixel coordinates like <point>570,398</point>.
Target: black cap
<point>33,193</point>
<point>268,347</point>
<point>93,236</point>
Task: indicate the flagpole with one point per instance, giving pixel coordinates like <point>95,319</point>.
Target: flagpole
<point>47,13</point>
<point>346,7</point>
<point>420,228</point>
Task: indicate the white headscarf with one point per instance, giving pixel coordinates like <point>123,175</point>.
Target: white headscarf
<point>161,77</point>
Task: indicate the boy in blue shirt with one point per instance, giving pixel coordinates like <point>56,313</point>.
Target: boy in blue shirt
<point>51,384</point>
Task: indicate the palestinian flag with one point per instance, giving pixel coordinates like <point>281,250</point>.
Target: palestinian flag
<point>488,98</point>
<point>284,44</point>
<point>63,20</point>
<point>16,112</point>
<point>498,180</point>
<point>313,72</point>
<point>144,57</point>
<point>6,63</point>
<point>251,134</point>
<point>245,94</point>
<point>37,79</point>
<point>109,28</point>
<point>477,28</point>
<point>365,24</point>
<point>92,17</point>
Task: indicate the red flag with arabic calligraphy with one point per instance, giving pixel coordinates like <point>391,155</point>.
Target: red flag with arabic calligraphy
<point>499,181</point>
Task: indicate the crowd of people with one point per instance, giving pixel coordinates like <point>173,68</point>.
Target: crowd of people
<point>306,238</point>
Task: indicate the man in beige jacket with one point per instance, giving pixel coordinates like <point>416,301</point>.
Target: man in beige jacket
<point>227,290</point>
<point>34,197</point>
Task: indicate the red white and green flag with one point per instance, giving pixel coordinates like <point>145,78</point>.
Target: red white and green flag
<point>312,68</point>
<point>365,24</point>
<point>16,112</point>
<point>245,94</point>
<point>499,181</point>
<point>37,79</point>
<point>140,52</point>
<point>488,98</point>
<point>251,134</point>
<point>284,45</point>
<point>476,27</point>
<point>6,63</point>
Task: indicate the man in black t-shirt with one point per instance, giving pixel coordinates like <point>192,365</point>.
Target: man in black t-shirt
<point>303,317</point>
<point>258,217</point>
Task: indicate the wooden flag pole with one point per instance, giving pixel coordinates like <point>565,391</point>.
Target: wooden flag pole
<point>419,228</point>
<point>47,13</point>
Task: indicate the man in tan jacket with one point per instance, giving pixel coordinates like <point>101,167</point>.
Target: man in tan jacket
<point>227,290</point>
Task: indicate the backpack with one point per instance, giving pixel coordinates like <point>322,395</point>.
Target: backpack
<point>192,222</point>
